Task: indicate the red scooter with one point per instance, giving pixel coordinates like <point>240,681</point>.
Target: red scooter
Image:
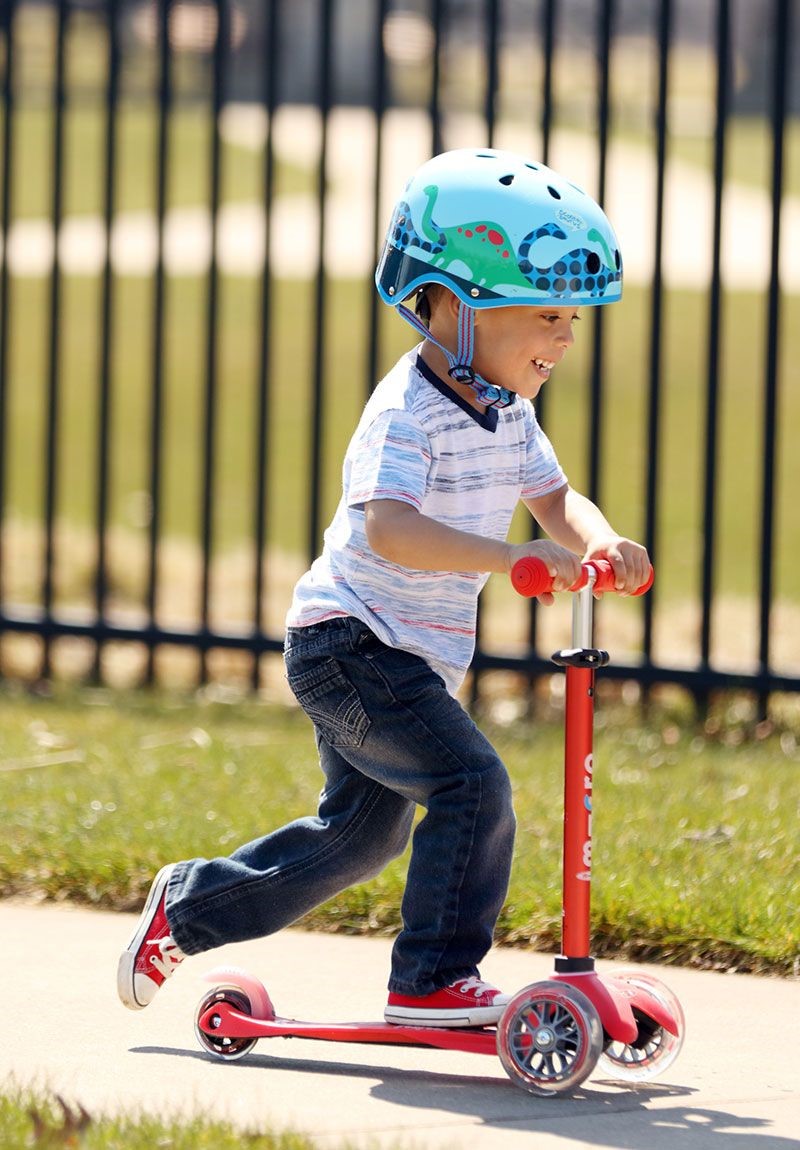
<point>552,1034</point>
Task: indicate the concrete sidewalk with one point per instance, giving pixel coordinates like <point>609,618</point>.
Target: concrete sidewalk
<point>735,1085</point>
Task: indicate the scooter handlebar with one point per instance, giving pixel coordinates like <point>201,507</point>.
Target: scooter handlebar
<point>530,577</point>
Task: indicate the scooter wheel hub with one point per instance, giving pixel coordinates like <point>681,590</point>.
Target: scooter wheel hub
<point>544,1039</point>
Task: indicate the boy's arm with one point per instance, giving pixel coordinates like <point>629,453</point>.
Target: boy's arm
<point>398,532</point>
<point>576,523</point>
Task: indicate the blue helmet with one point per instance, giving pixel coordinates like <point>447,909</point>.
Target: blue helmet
<point>497,230</point>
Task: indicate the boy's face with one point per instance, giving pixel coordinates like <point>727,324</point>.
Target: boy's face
<point>517,347</point>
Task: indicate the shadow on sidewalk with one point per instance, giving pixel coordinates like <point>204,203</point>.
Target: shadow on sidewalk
<point>497,1102</point>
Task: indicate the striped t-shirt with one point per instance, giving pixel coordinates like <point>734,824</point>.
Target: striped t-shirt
<point>418,442</point>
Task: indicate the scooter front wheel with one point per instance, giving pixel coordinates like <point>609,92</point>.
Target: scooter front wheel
<point>549,1038</point>
<point>655,1048</point>
<point>229,1049</point>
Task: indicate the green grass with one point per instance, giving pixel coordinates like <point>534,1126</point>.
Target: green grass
<point>33,1118</point>
<point>136,144</point>
<point>695,838</point>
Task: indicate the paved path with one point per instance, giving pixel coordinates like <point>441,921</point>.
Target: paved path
<point>735,1085</point>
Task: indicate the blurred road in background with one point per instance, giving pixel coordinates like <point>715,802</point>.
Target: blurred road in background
<point>349,249</point>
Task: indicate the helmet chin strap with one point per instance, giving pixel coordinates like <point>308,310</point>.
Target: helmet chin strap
<point>460,365</point>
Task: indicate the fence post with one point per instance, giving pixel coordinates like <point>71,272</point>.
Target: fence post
<point>159,313</point>
<point>7,12</point>
<point>782,33</point>
<point>105,391</point>
<point>714,335</point>
<point>664,36</point>
<point>262,430</point>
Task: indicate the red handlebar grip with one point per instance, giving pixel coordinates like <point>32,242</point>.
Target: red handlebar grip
<point>530,577</point>
<point>648,583</point>
<point>604,579</point>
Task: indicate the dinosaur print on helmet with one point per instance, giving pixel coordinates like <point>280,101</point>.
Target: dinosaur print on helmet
<point>498,229</point>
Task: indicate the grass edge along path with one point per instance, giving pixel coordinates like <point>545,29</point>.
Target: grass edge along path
<point>38,1118</point>
<point>694,849</point>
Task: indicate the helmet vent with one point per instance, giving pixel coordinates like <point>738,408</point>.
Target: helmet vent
<point>554,192</point>
<point>507,180</point>
<point>533,167</point>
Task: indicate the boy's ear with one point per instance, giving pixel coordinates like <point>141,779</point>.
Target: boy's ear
<point>440,298</point>
<point>452,302</point>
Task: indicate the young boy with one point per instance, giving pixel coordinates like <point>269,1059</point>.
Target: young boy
<point>498,253</point>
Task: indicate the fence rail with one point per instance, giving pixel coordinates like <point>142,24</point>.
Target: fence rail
<point>192,197</point>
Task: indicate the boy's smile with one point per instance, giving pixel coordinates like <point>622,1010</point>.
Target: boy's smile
<point>543,366</point>
<point>516,347</point>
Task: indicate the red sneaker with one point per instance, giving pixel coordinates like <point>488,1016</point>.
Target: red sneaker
<point>150,958</point>
<point>468,1002</point>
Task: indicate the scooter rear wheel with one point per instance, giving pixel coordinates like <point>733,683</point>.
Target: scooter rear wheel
<point>228,1049</point>
<point>655,1048</point>
<point>549,1038</point>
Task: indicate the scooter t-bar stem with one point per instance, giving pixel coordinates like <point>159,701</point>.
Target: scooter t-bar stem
<point>531,577</point>
<point>580,663</point>
<point>578,775</point>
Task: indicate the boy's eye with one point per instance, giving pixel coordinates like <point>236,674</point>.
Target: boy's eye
<point>555,318</point>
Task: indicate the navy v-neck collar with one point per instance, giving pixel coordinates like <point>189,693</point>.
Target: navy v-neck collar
<point>486,419</point>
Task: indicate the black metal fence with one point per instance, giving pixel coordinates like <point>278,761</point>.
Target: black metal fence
<point>193,194</point>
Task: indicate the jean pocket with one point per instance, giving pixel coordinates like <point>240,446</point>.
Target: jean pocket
<point>332,703</point>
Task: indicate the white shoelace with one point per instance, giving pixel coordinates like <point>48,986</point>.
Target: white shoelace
<point>475,985</point>
<point>170,955</point>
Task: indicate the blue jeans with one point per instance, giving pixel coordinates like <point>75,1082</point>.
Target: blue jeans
<point>389,737</point>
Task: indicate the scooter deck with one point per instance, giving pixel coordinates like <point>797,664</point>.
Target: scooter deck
<point>232,1023</point>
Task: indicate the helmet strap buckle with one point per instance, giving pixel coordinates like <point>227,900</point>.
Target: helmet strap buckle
<point>462,373</point>
<point>461,369</point>
<point>492,395</point>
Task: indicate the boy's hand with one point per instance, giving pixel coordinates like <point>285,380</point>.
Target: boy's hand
<point>630,561</point>
<point>563,566</point>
